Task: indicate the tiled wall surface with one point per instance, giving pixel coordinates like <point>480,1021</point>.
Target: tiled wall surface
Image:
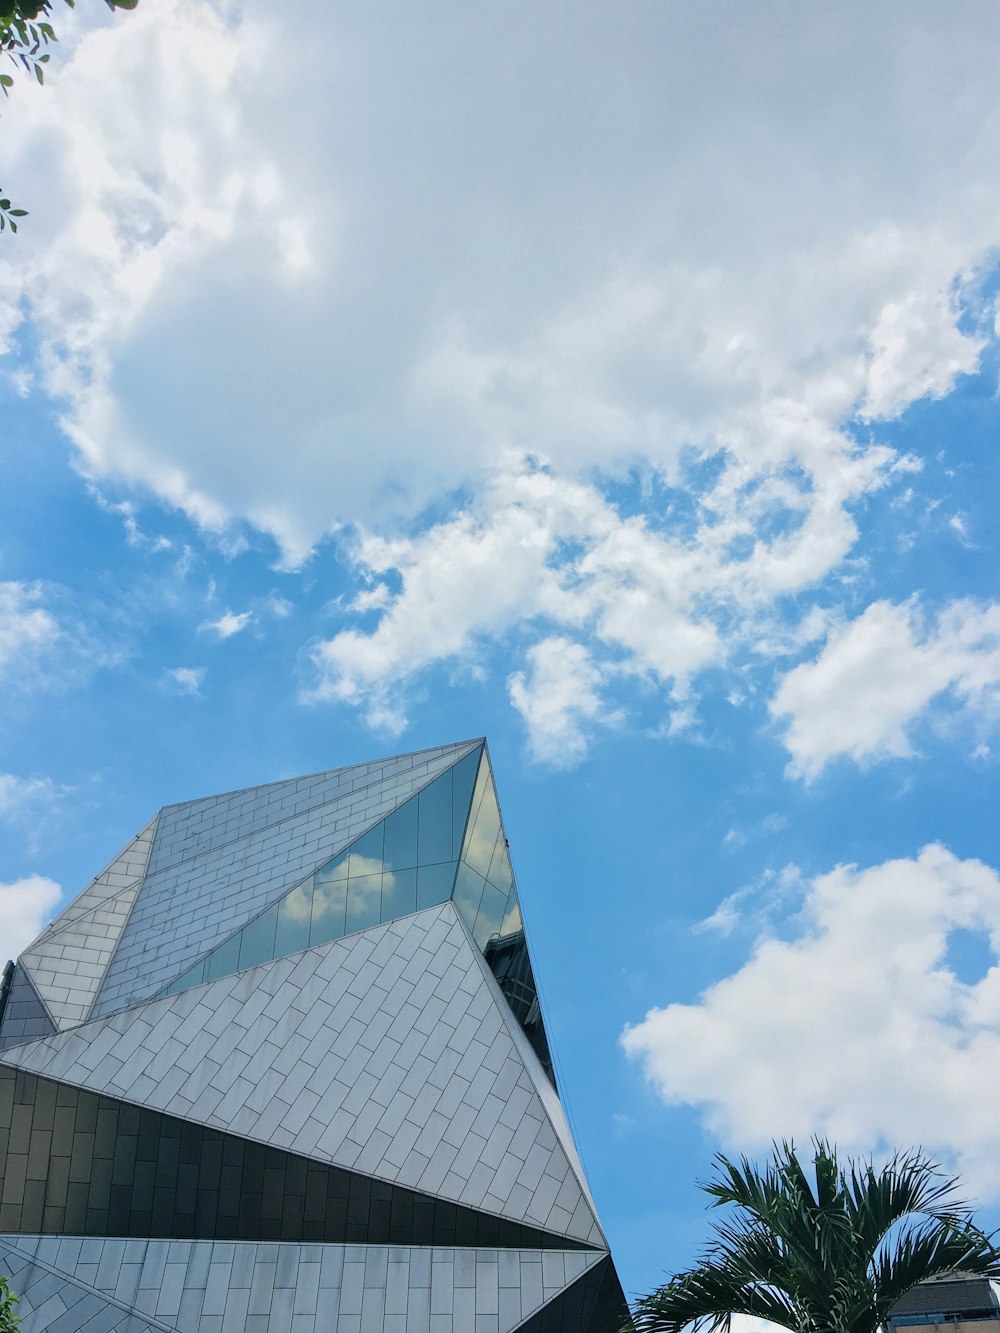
<point>234,863</point>
<point>206,1287</point>
<point>24,1018</point>
<point>78,1163</point>
<point>67,967</point>
<point>390,1053</point>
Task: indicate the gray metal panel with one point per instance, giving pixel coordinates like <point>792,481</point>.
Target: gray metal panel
<point>25,1017</point>
<point>68,965</point>
<point>127,868</point>
<point>248,857</point>
<point>387,1052</point>
<point>57,1297</point>
<point>213,1287</point>
<point>195,827</point>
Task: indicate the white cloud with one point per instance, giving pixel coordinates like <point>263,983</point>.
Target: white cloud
<point>594,282</point>
<point>26,905</point>
<point>710,271</point>
<point>876,675</point>
<point>27,628</point>
<point>228,624</point>
<point>857,1028</point>
<point>561,695</point>
<point>186,680</point>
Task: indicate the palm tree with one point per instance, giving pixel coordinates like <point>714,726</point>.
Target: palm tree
<point>829,1257</point>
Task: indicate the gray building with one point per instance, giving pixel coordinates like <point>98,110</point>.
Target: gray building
<point>282,1066</point>
<point>955,1299</point>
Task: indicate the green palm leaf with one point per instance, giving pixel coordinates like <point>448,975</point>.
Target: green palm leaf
<point>829,1251</point>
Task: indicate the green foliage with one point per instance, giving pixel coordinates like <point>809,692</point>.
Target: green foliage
<point>25,35</point>
<point>831,1254</point>
<point>7,216</point>
<point>9,1321</point>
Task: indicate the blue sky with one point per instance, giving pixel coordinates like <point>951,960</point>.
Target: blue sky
<point>618,382</point>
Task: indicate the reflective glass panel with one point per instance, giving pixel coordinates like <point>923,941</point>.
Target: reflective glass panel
<point>405,863</point>
<point>481,840</point>
<point>194,976</point>
<point>223,961</point>
<point>500,872</point>
<point>512,922</point>
<point>294,911</point>
<point>366,854</point>
<point>434,884</point>
<point>399,893</point>
<point>468,893</point>
<point>401,838</point>
<point>329,911</point>
<point>364,902</point>
<point>257,939</point>
<point>463,777</point>
<point>335,868</point>
<point>491,912</point>
<point>482,778</point>
<point>434,826</point>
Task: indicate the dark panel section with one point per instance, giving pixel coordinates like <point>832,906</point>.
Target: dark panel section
<point>595,1303</point>
<point>22,1017</point>
<point>77,1163</point>
<point>508,958</point>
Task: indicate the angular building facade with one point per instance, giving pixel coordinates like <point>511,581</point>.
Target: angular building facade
<point>282,1067</point>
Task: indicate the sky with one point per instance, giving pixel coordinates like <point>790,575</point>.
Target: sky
<point>616,381</point>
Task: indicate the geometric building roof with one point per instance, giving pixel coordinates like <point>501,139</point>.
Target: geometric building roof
<point>318,992</point>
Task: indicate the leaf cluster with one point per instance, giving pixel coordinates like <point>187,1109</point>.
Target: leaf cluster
<point>9,1321</point>
<point>831,1254</point>
<point>25,35</point>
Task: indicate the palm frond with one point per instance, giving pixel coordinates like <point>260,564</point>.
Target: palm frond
<point>826,1253</point>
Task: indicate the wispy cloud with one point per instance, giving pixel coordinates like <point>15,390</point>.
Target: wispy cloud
<point>185,680</point>
<point>228,624</point>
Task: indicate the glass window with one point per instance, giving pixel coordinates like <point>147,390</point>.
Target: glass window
<point>364,902</point>
<point>491,913</point>
<point>399,893</point>
<point>401,838</point>
<point>500,872</point>
<point>434,827</point>
<point>463,777</point>
<point>481,841</point>
<point>194,976</point>
<point>434,884</point>
<point>512,922</point>
<point>224,960</point>
<point>335,868</point>
<point>366,853</point>
<point>468,893</point>
<point>257,940</point>
<point>294,911</point>
<point>329,910</point>
<point>482,779</point>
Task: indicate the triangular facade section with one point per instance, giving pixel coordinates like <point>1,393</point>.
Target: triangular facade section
<point>241,854</point>
<point>68,965</point>
<point>386,1053</point>
<point>404,864</point>
<point>125,871</point>
<point>23,1016</point>
<point>487,899</point>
